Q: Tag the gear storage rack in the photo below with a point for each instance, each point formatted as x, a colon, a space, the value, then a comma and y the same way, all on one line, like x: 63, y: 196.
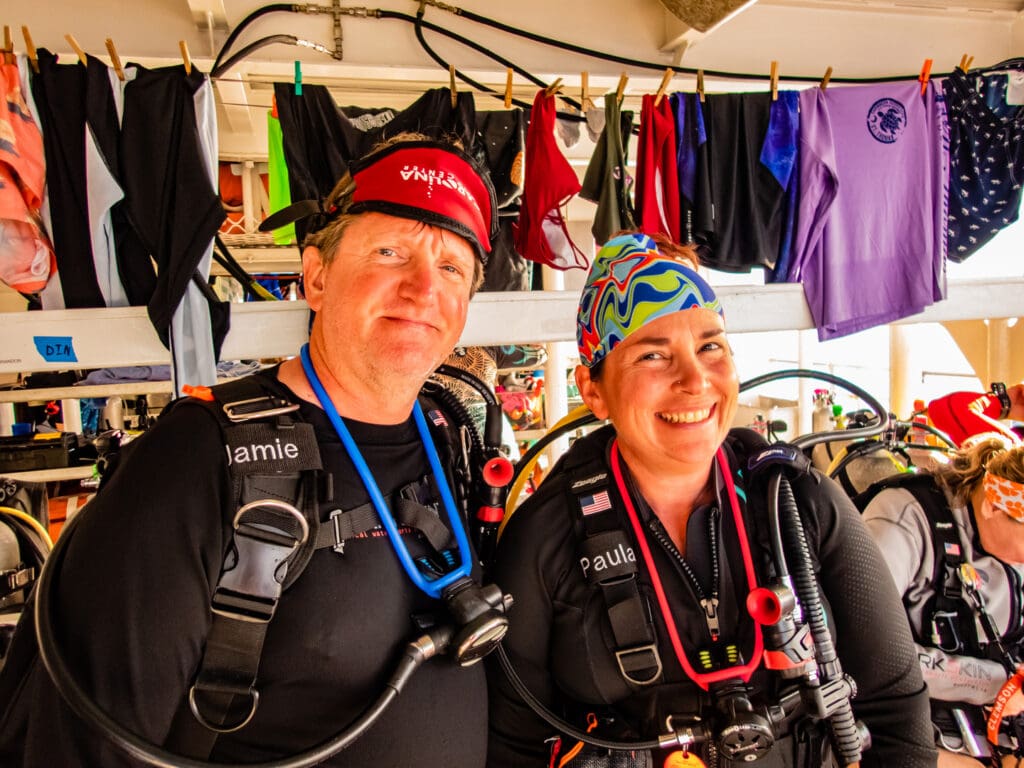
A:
x: 85, y: 338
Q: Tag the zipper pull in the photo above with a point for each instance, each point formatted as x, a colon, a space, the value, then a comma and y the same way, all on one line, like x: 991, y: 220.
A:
x: 710, y: 607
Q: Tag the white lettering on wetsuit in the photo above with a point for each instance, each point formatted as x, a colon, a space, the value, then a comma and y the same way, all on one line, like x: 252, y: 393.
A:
x: 275, y: 451
x: 609, y: 559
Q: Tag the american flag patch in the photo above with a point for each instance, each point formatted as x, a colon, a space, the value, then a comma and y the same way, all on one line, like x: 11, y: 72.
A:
x: 437, y: 418
x: 952, y: 549
x: 599, y: 502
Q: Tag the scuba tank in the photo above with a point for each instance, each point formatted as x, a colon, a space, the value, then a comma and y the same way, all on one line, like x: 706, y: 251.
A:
x: 821, y: 416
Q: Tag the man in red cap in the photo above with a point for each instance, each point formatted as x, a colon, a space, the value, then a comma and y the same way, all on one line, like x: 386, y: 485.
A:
x: 246, y: 582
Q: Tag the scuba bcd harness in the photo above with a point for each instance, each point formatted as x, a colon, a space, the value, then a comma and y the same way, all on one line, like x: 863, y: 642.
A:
x: 733, y: 727
x: 957, y: 607
x: 277, y: 483
x: 480, y: 611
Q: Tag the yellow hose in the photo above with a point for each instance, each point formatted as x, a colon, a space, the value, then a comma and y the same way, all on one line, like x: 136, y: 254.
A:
x: 32, y: 522
x: 524, y: 475
x: 835, y: 461
x: 845, y: 449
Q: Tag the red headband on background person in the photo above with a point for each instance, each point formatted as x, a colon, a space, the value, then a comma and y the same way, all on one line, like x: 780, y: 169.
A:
x: 429, y: 182
x: 954, y: 414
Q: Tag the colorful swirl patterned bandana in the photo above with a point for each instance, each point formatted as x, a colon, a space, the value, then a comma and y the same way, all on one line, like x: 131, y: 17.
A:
x: 1005, y: 495
x: 629, y: 285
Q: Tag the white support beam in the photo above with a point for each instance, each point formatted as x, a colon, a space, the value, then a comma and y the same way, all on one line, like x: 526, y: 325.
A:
x: 277, y: 329
x: 233, y: 96
x: 204, y: 10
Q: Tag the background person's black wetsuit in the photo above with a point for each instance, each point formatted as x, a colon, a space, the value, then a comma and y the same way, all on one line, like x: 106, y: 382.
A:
x: 559, y: 628
x: 134, y: 609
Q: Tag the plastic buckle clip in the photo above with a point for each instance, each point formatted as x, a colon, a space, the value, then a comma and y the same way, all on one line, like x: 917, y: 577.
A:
x: 250, y: 583
x: 630, y: 663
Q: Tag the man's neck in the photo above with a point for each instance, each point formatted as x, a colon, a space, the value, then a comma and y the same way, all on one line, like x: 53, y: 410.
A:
x: 353, y: 399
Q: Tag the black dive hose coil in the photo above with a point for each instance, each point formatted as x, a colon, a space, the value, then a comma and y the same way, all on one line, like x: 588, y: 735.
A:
x: 433, y: 643
x: 845, y: 734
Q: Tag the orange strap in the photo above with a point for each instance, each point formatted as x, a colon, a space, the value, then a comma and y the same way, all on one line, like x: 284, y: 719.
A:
x: 1009, y: 688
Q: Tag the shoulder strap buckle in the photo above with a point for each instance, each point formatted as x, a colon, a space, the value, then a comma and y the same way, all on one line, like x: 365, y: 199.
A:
x: 257, y: 408
x: 250, y: 583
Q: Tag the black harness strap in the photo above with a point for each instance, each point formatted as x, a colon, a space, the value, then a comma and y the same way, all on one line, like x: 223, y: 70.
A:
x: 224, y: 697
x: 276, y: 472
x: 953, y: 628
x: 408, y: 509
x: 609, y: 563
x: 273, y: 461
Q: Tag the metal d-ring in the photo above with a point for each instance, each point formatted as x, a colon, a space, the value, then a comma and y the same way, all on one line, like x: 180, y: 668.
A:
x: 279, y: 505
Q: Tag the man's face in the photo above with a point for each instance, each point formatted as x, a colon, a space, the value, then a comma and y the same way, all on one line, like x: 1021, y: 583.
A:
x: 392, y: 303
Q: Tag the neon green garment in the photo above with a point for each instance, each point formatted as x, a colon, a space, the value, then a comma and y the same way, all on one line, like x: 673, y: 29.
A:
x: 277, y: 174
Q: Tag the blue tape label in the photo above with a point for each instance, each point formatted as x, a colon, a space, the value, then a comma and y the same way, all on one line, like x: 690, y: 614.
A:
x: 56, y: 349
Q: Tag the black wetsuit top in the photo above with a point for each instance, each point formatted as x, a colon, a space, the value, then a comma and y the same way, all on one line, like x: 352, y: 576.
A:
x: 133, y: 611
x: 559, y: 635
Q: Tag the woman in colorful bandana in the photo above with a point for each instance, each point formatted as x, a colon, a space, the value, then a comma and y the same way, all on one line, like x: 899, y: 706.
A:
x: 960, y: 568
x: 631, y: 565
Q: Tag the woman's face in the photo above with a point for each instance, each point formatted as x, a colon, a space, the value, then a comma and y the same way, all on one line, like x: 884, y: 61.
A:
x: 670, y: 389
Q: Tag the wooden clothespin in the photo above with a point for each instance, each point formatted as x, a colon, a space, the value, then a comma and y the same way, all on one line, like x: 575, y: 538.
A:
x: 451, y: 86
x: 775, y: 80
x: 508, y: 88
x: 586, y: 103
x: 970, y: 60
x: 554, y: 88
x: 965, y: 63
x: 665, y: 80
x: 826, y: 78
x: 30, y: 49
x: 926, y: 73
x: 185, y: 56
x: 7, y: 52
x: 700, y: 85
x: 82, y: 58
x: 621, y: 90
x: 115, y: 60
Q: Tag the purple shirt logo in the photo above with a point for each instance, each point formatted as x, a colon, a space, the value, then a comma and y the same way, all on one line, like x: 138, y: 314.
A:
x: 887, y: 119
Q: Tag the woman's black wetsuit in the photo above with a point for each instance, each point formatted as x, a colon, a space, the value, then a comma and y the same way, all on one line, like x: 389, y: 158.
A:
x: 562, y: 644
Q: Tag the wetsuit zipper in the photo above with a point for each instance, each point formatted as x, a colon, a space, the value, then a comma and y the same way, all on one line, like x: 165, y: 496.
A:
x: 708, y: 602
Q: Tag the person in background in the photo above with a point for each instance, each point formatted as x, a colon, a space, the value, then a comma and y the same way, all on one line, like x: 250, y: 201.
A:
x: 632, y: 564
x: 143, y: 588
x: 954, y: 543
